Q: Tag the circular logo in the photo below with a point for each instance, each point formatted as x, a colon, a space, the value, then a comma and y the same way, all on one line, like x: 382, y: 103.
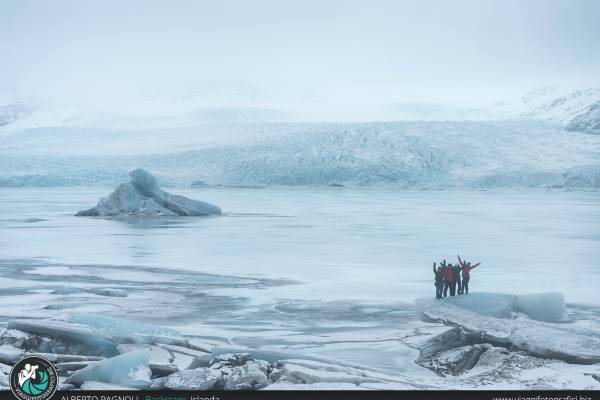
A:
x: 33, y: 378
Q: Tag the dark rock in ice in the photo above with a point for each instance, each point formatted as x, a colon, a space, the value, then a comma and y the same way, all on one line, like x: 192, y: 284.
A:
x: 142, y: 196
x: 454, y: 361
x: 449, y: 339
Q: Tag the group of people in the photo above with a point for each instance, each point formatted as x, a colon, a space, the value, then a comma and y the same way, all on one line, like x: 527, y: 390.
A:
x: 452, y: 278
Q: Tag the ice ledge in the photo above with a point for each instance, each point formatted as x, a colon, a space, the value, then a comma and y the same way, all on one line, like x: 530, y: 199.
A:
x: 520, y: 322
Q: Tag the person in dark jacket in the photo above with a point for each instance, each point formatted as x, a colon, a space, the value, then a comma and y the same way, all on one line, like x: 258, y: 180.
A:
x: 449, y: 282
x: 466, y: 268
x: 456, y: 271
x: 439, y: 281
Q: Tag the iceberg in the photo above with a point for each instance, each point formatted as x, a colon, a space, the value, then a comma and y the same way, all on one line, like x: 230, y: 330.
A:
x: 142, y: 196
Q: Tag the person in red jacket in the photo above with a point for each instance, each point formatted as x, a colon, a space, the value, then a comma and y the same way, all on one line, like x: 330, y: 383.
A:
x: 449, y: 282
x: 466, y: 268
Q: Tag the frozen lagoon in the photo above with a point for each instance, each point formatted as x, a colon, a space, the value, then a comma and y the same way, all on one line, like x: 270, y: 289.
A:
x: 330, y: 272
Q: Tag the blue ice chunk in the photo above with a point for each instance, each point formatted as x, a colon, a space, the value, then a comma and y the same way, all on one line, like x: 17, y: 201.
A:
x: 547, y: 307
x: 129, y: 369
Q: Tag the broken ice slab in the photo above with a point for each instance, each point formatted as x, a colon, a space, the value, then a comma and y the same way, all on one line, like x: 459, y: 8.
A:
x: 129, y: 369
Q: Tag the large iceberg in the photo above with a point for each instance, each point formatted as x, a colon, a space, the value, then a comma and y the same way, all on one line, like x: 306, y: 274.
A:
x: 143, y: 196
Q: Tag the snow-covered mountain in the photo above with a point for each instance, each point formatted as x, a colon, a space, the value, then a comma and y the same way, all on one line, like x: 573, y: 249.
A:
x: 13, y: 112
x: 577, y: 110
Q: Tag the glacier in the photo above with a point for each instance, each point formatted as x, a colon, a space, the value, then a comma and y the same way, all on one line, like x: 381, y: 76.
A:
x: 143, y: 197
x: 416, y: 154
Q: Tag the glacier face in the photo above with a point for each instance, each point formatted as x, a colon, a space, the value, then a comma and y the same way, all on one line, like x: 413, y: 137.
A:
x: 408, y: 154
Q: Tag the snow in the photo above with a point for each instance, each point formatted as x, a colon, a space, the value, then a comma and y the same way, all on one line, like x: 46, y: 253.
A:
x: 129, y: 369
x: 143, y: 197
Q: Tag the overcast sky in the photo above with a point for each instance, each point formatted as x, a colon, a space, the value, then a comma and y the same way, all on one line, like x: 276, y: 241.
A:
x: 446, y: 50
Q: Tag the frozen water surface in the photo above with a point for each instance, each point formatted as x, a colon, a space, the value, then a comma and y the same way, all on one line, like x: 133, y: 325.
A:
x: 329, y: 272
